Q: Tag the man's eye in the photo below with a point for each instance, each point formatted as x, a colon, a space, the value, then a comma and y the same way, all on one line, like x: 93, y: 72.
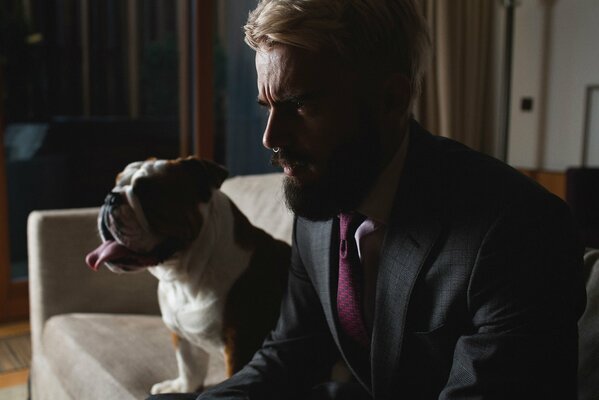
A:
x: 291, y: 107
x: 265, y: 108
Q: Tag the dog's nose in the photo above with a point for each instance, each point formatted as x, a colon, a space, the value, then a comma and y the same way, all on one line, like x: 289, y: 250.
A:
x: 113, y: 199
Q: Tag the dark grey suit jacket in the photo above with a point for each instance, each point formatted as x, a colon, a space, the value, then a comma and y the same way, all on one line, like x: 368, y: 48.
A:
x: 478, y: 294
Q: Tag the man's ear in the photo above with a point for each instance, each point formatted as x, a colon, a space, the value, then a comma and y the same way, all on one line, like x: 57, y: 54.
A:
x: 396, y: 94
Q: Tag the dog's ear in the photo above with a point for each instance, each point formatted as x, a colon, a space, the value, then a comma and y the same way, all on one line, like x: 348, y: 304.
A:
x: 217, y: 173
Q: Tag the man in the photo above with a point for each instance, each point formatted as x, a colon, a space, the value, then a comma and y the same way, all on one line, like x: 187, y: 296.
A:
x: 464, y: 283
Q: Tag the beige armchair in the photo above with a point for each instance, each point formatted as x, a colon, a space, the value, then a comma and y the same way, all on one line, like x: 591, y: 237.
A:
x: 98, y: 335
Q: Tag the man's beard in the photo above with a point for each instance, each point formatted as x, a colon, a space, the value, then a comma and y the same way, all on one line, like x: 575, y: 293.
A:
x: 351, y: 172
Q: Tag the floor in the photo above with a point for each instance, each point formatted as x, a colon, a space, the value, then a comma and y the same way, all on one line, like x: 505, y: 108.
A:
x: 18, y: 392
x: 15, y: 358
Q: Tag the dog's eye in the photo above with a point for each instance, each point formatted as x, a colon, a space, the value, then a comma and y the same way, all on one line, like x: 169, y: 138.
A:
x: 114, y: 199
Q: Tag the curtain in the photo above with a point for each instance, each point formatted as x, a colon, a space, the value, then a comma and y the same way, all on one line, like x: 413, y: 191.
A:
x: 458, y: 97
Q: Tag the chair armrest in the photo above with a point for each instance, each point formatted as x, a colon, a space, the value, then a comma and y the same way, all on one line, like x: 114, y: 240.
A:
x: 59, y: 280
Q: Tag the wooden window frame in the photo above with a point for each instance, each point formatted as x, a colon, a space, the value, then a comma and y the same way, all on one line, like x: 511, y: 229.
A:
x: 14, y: 296
x: 203, y: 73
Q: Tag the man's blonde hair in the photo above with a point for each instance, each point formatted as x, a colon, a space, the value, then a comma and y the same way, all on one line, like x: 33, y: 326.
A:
x: 379, y: 36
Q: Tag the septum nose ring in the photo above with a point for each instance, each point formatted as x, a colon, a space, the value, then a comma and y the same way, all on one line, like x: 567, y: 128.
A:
x: 276, y: 149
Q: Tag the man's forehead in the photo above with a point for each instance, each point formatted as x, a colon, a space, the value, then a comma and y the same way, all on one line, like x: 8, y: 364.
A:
x: 284, y: 67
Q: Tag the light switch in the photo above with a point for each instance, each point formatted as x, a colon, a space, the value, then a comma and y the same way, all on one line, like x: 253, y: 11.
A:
x: 526, y: 104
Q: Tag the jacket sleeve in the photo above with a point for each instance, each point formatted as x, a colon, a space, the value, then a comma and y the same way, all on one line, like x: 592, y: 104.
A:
x: 525, y: 296
x: 298, y: 353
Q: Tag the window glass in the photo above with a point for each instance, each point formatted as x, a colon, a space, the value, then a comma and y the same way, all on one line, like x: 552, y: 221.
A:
x: 88, y: 86
x: 239, y: 121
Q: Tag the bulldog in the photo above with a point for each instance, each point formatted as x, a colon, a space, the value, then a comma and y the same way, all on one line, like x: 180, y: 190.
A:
x: 221, y: 279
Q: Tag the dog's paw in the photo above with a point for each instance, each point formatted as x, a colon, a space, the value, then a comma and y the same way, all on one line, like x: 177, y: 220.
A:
x: 172, y: 386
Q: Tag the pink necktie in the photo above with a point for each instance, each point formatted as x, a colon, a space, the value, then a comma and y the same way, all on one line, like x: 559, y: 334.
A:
x: 349, y: 290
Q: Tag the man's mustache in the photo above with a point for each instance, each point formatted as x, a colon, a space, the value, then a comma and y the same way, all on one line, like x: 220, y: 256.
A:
x: 288, y: 157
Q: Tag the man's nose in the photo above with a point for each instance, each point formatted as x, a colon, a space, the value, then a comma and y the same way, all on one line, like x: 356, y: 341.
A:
x: 276, y: 133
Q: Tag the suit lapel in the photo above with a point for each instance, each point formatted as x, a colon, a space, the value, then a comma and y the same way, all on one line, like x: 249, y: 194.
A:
x: 414, y: 228
x: 404, y: 253
x: 322, y: 234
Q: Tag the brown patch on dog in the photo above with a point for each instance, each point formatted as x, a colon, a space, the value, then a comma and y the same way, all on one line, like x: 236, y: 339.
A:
x: 247, y: 323
x: 243, y: 230
x: 181, y: 186
x: 230, y: 336
x: 176, y: 339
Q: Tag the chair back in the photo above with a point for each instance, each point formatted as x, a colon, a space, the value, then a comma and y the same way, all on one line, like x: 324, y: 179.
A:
x: 582, y: 194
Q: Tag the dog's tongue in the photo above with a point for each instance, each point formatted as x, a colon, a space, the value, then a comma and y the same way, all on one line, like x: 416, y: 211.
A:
x: 111, y: 251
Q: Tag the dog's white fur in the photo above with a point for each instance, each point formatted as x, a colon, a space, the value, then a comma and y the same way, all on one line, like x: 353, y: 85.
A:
x: 192, y: 292
x: 193, y: 285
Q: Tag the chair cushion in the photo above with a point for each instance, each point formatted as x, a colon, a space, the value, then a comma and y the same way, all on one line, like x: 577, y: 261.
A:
x: 113, y: 356
x: 588, y: 327
x: 582, y: 194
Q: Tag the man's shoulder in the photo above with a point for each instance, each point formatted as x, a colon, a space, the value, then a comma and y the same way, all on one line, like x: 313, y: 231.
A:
x: 462, y: 171
x: 461, y: 184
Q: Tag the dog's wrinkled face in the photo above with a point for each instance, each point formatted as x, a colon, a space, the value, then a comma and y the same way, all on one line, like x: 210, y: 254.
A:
x: 153, y: 211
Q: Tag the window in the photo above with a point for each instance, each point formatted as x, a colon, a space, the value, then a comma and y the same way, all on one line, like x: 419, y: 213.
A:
x: 87, y: 87
x: 239, y: 121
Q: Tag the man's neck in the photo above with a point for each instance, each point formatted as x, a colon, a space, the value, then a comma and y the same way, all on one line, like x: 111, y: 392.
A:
x: 377, y: 205
x: 391, y: 142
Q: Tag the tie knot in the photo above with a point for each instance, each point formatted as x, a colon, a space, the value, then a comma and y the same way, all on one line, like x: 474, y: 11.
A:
x: 348, y: 224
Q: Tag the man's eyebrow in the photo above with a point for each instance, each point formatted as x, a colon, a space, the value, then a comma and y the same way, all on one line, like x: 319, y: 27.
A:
x: 262, y: 102
x: 292, y: 98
